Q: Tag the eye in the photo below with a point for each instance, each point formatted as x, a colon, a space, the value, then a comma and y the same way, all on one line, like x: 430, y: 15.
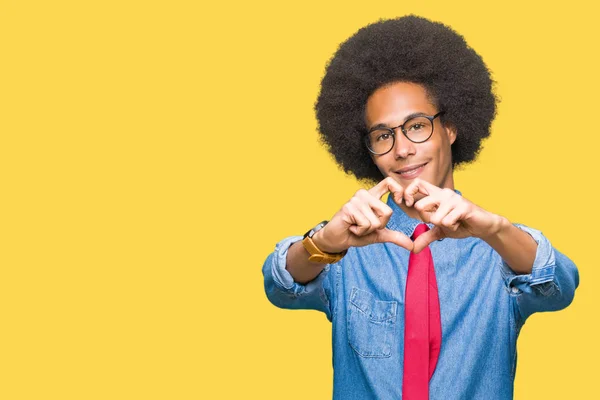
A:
x: 384, y: 136
x: 416, y: 126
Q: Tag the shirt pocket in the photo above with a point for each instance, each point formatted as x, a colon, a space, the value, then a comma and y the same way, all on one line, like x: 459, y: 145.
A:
x: 371, y: 324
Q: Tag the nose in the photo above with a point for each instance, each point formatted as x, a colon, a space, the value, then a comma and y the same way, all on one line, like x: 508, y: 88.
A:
x: 403, y: 147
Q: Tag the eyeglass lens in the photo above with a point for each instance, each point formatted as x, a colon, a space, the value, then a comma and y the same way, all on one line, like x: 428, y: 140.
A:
x: 417, y: 129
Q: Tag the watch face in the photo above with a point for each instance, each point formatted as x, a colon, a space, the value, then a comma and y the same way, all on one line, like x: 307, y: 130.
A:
x: 316, y: 229
x: 320, y: 226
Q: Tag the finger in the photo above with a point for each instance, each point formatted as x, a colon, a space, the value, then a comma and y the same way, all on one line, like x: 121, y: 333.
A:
x: 365, y: 208
x: 378, y: 207
x: 384, y: 236
x: 388, y: 185
x: 418, y: 186
x: 452, y: 220
x: 391, y: 236
x: 359, y: 224
x: 435, y: 200
x: 427, y: 206
x: 444, y: 208
x: 426, y: 238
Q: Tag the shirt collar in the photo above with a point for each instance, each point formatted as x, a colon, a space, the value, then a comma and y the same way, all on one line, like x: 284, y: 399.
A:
x: 401, y: 222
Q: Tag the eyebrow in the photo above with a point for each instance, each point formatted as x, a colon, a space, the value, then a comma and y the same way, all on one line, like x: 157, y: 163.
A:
x: 416, y: 114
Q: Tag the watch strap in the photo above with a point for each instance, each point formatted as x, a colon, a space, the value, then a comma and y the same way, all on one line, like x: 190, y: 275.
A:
x: 316, y: 255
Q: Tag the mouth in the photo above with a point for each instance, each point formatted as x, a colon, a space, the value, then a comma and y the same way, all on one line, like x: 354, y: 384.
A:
x: 410, y: 172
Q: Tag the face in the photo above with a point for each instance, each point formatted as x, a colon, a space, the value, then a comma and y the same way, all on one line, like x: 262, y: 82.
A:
x: 391, y: 105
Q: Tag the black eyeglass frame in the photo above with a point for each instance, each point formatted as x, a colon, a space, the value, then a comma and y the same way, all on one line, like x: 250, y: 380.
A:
x: 393, y: 132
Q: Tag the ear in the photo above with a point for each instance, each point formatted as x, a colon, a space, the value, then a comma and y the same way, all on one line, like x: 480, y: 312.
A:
x: 451, y: 132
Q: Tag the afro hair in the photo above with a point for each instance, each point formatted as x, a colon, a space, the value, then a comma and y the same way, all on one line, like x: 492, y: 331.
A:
x: 408, y: 49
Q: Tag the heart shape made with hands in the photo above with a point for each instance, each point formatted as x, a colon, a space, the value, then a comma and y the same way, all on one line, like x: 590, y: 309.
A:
x: 452, y: 215
x: 363, y: 220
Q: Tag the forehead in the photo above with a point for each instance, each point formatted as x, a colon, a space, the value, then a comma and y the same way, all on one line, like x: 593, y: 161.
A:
x: 391, y: 104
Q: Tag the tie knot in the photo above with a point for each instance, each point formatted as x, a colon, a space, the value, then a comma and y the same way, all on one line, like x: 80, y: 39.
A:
x: 421, y: 228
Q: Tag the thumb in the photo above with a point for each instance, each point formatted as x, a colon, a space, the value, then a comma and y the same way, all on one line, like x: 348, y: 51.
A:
x: 426, y: 238
x: 390, y: 236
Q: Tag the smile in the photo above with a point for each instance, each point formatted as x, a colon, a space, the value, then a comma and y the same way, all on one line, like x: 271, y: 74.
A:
x: 411, y: 173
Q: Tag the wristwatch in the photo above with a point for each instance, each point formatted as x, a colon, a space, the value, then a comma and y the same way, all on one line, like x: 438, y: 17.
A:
x: 316, y: 255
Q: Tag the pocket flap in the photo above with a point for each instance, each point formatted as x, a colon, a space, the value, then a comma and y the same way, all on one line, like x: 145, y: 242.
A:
x: 376, y: 310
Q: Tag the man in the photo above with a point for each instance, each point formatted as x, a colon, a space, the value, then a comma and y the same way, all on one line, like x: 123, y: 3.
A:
x: 427, y: 293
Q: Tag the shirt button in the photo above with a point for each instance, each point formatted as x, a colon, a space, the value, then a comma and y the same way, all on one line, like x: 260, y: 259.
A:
x: 515, y: 290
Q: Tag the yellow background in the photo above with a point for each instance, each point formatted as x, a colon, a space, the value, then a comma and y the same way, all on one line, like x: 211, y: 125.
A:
x: 153, y: 153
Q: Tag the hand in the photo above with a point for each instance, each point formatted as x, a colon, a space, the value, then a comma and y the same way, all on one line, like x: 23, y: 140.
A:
x: 453, y: 215
x: 362, y: 221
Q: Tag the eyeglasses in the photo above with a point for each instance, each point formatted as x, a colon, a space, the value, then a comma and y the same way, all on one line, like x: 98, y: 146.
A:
x: 418, y: 129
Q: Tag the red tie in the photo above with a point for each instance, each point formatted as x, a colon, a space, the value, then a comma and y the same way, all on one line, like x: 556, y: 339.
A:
x: 422, y: 325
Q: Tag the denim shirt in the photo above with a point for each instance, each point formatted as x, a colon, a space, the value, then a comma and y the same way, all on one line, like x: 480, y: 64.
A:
x: 483, y: 305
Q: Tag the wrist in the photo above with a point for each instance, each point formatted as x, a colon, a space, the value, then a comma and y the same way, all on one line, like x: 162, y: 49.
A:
x: 321, y: 242
x: 500, y: 224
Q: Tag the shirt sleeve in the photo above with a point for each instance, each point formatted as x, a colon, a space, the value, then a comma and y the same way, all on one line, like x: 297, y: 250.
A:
x: 283, y: 292
x: 551, y: 284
